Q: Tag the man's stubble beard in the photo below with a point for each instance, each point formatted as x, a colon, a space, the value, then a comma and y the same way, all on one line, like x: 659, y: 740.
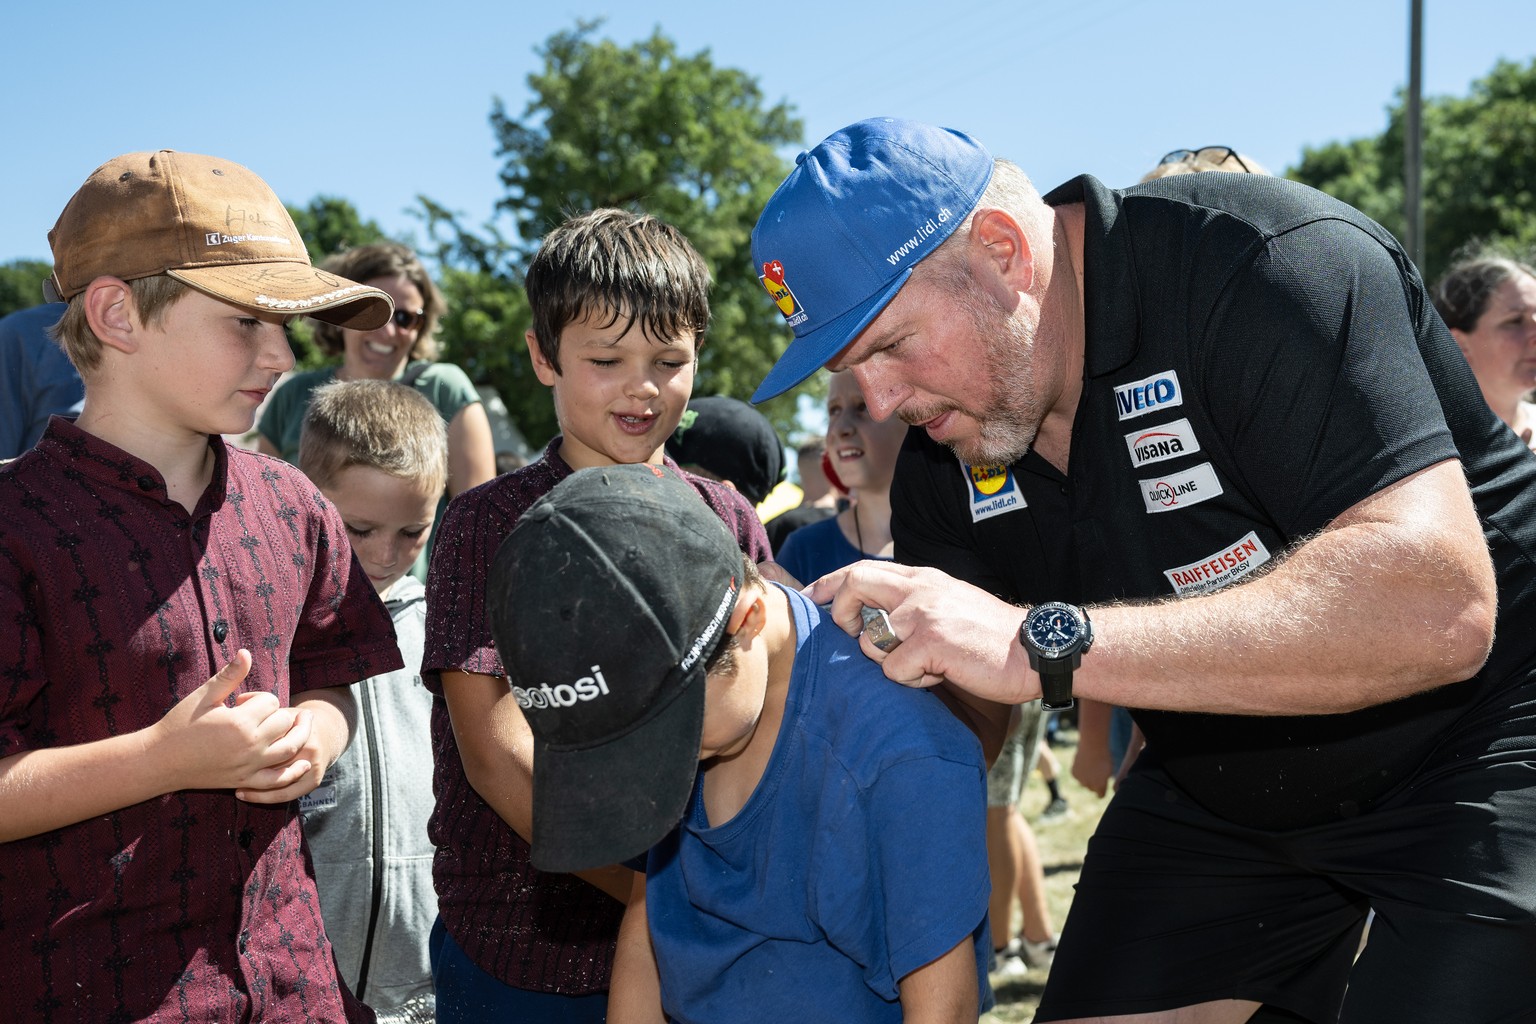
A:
x: 1010, y: 417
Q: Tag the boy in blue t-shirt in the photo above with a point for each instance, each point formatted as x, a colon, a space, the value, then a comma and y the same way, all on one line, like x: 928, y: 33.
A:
x: 815, y: 834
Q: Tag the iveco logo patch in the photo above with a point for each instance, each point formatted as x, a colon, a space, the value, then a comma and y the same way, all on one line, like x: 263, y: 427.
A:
x: 1159, y: 391
x: 1178, y: 490
x: 1164, y: 441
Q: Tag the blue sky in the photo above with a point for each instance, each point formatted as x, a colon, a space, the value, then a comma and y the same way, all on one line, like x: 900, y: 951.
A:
x: 383, y: 101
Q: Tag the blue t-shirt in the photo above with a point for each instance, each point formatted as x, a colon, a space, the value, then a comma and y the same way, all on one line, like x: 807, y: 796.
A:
x: 860, y: 856
x: 814, y: 550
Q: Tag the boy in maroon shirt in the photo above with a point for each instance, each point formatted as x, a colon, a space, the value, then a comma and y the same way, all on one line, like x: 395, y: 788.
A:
x: 620, y: 306
x: 182, y: 619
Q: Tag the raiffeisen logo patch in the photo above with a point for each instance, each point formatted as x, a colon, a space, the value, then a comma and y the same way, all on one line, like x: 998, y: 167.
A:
x: 1180, y: 490
x: 1219, y: 568
x: 1159, y: 391
x: 772, y: 278
x: 993, y: 491
x: 565, y: 695
x: 1164, y: 441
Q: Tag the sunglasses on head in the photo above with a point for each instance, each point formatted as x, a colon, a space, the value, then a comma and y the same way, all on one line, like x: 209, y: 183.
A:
x: 408, y: 321
x: 1214, y: 155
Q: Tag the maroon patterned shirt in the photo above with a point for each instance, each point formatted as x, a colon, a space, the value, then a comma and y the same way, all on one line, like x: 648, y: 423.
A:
x: 531, y: 930
x: 114, y: 605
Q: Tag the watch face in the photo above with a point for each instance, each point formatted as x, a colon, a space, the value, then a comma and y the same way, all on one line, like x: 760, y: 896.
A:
x: 1053, y: 629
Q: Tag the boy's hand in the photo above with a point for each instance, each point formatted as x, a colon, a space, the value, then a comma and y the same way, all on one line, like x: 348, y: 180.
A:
x: 330, y: 716
x: 300, y: 774
x: 253, y: 745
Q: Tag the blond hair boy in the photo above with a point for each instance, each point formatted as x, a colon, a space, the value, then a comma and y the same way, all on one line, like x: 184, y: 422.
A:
x: 378, y: 451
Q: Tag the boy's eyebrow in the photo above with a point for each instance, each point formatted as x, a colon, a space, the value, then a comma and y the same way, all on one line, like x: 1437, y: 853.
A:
x: 687, y: 347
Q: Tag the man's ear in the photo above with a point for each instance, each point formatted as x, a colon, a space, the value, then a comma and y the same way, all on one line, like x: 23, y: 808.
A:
x: 112, y: 313
x: 542, y: 368
x: 1000, y: 254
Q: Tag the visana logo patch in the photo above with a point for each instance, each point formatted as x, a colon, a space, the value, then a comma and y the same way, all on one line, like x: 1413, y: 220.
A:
x: 1164, y: 441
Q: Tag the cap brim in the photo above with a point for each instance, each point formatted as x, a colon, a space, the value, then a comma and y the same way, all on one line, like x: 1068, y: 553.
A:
x: 806, y: 355
x: 595, y: 806
x: 292, y: 288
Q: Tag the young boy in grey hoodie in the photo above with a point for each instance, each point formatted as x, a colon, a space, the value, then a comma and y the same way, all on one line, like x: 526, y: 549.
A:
x: 378, y: 451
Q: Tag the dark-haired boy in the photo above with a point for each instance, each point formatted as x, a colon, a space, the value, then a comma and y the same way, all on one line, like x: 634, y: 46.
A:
x: 815, y: 835
x: 152, y: 866
x: 620, y: 306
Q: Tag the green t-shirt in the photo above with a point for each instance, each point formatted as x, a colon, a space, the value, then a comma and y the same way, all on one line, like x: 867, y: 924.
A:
x: 446, y: 386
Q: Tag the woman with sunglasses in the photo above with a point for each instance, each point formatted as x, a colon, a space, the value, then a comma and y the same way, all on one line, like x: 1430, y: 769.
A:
x: 404, y: 350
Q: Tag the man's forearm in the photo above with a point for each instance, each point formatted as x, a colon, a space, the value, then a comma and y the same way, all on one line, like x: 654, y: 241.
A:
x: 1373, y: 609
x: 943, y: 991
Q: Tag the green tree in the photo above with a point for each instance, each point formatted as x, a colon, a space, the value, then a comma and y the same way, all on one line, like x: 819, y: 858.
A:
x: 21, y: 284
x: 328, y: 225
x: 1479, y: 167
x: 642, y: 127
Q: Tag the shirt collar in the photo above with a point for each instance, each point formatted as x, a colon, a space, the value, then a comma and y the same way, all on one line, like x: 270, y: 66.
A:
x: 1110, y: 315
x: 106, y: 464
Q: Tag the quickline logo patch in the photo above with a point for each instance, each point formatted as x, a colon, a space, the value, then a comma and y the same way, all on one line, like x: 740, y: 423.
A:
x: 1180, y: 490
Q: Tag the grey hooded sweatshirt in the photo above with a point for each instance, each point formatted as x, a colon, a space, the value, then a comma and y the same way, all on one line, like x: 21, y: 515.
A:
x: 366, y: 825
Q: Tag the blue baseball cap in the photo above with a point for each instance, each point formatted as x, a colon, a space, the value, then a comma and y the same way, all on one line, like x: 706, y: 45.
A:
x: 842, y: 233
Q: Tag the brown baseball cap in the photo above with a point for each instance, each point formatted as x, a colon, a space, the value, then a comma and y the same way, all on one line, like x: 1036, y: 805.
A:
x: 210, y: 223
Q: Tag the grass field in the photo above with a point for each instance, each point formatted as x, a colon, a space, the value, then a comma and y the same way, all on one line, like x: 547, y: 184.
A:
x: 1062, y: 841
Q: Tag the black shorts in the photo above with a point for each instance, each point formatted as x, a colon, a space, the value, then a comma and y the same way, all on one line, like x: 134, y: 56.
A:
x: 1176, y: 906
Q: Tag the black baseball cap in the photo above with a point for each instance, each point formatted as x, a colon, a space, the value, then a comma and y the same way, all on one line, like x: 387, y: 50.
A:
x: 606, y: 603
x: 732, y: 441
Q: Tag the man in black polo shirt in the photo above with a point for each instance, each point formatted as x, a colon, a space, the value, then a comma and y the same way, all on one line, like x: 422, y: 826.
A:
x: 1214, y: 423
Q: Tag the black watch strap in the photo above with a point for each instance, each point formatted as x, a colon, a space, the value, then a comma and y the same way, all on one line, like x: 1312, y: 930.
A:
x: 1056, y: 691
